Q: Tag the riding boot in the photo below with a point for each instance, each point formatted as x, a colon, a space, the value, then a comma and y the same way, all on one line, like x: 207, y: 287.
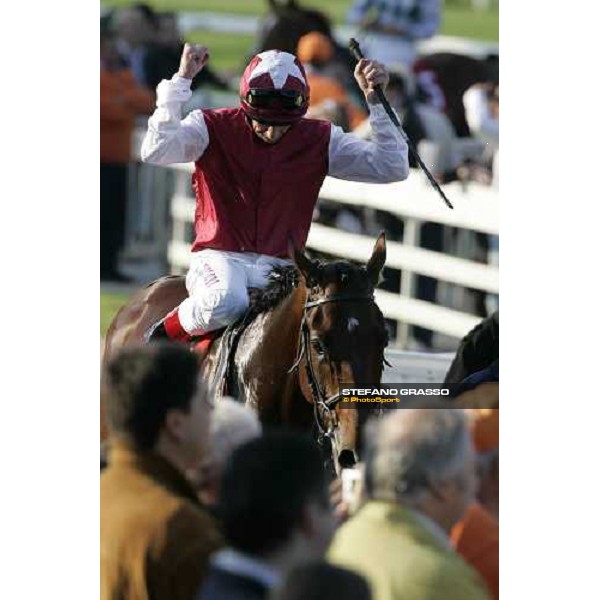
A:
x: 170, y: 328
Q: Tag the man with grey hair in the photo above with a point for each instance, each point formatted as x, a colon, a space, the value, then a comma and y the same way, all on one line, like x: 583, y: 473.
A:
x: 419, y: 480
x: 232, y: 424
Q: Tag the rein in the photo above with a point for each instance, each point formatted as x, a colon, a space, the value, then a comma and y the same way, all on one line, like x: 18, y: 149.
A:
x: 322, y: 404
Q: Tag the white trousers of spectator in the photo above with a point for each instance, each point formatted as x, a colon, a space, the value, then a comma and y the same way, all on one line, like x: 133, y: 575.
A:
x: 217, y: 284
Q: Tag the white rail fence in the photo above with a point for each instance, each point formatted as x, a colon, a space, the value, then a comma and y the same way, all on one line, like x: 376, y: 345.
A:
x: 476, y: 209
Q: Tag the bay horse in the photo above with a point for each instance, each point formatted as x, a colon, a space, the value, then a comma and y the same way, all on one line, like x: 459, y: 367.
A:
x: 316, y: 328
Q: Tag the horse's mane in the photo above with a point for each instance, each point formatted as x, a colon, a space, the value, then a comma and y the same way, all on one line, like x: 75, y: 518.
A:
x: 282, y: 282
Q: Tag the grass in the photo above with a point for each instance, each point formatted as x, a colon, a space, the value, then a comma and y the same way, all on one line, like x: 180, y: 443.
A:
x: 109, y: 305
x: 228, y: 52
x: 458, y: 19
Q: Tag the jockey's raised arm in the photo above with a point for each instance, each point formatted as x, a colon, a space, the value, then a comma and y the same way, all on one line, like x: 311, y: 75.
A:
x: 170, y: 139
x: 258, y: 172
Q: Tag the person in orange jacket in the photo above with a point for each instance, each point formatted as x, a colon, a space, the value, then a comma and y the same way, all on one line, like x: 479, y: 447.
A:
x: 476, y: 537
x: 314, y: 51
x: 121, y: 100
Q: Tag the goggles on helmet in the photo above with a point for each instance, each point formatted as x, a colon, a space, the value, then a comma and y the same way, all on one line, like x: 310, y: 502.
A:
x: 286, y: 99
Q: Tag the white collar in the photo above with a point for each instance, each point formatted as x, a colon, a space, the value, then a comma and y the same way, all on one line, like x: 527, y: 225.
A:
x: 238, y: 563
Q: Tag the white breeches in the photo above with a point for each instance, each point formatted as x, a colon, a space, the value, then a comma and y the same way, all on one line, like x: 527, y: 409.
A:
x: 217, y: 284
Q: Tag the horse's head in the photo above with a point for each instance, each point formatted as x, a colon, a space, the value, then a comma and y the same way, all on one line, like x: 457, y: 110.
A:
x: 343, y: 339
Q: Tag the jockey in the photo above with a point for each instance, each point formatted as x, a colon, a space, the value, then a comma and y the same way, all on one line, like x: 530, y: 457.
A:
x: 258, y: 172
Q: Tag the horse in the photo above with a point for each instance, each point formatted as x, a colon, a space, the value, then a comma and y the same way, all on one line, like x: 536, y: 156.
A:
x: 315, y: 329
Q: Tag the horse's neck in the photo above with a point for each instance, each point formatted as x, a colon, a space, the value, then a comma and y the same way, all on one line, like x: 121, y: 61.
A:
x: 269, y: 346
x: 279, y: 325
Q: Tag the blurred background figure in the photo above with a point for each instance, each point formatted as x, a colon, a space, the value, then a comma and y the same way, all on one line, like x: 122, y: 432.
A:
x: 232, y: 425
x: 444, y: 77
x: 478, y: 350
x: 476, y: 537
x: 391, y: 27
x: 135, y: 28
x: 419, y: 481
x: 328, y: 98
x: 162, y: 57
x: 121, y: 100
x: 275, y: 514
x: 287, y: 21
x: 482, y: 113
x: 322, y: 581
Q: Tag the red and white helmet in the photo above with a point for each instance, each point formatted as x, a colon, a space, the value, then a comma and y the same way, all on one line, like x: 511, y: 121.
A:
x: 274, y: 88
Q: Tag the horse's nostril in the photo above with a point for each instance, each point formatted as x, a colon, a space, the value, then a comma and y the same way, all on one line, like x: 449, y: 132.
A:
x: 347, y: 459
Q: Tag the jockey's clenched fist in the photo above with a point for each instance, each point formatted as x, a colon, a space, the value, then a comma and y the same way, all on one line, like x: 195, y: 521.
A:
x: 193, y: 59
x: 368, y: 74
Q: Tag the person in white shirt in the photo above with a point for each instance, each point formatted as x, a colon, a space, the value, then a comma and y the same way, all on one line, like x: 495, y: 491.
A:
x: 393, y: 27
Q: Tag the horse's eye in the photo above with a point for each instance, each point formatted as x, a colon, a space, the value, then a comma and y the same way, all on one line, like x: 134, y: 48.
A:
x: 318, y: 346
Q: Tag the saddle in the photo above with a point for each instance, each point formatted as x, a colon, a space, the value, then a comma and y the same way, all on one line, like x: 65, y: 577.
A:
x: 224, y: 378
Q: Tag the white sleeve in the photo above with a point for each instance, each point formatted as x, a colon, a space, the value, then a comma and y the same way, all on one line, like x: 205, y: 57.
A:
x: 169, y: 139
x: 382, y: 160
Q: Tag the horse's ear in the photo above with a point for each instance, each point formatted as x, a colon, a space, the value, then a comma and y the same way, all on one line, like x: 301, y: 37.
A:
x: 377, y: 260
x: 306, y: 266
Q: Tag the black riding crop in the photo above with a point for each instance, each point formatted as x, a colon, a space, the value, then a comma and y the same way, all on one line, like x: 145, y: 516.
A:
x: 356, y: 51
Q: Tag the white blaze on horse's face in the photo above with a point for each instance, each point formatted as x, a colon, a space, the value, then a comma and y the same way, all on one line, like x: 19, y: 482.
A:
x: 352, y: 324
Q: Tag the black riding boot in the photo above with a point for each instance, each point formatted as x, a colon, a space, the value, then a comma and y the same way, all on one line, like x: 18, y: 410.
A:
x: 159, y: 333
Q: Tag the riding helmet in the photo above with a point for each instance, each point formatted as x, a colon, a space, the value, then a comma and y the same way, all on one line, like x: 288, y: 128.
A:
x: 274, y: 88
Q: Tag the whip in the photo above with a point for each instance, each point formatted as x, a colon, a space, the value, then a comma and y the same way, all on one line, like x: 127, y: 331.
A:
x: 356, y: 51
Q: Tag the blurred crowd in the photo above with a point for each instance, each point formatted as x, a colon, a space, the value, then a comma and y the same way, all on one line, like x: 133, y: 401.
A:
x: 199, y: 501
x: 138, y: 49
x: 448, y: 104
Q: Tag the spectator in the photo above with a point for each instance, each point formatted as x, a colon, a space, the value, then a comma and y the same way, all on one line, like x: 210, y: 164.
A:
x: 121, y: 99
x: 322, y: 581
x: 483, y: 411
x: 163, y: 56
x: 155, y: 539
x: 287, y: 21
x: 136, y: 28
x: 476, y: 538
x: 275, y: 513
x: 443, y: 78
x: 482, y: 112
x: 316, y: 52
x: 232, y: 425
x: 419, y: 478
x: 393, y: 26
x: 478, y: 350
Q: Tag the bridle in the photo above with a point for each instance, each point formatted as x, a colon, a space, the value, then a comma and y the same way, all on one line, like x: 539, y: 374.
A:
x: 321, y: 403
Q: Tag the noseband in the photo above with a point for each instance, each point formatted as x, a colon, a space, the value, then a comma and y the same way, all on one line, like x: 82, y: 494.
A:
x: 322, y: 404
